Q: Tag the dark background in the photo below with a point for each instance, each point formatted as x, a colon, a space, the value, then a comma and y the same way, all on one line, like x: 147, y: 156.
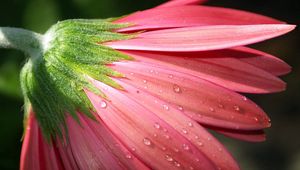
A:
x: 280, y: 151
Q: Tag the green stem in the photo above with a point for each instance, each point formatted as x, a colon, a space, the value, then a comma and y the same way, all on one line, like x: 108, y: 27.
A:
x: 16, y: 38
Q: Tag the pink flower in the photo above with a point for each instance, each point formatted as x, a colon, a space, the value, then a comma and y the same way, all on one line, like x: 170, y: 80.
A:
x: 189, y: 65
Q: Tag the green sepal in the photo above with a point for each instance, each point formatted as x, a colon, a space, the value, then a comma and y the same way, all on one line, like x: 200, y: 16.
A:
x: 54, y: 83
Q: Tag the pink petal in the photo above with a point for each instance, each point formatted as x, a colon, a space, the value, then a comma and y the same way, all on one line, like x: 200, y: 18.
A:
x: 94, y: 147
x: 134, y: 125
x: 36, y: 153
x: 174, y: 3
x: 203, y: 101
x: 259, y: 59
x: 195, y: 133
x: 202, y: 38
x: 187, y: 16
x: 220, y: 67
x: 249, y: 136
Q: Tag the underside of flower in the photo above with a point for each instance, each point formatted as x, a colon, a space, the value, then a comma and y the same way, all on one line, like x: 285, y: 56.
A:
x: 139, y: 92
x: 54, y: 82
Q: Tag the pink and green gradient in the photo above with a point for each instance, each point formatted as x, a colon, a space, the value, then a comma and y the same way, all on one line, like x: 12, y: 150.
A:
x: 190, y: 63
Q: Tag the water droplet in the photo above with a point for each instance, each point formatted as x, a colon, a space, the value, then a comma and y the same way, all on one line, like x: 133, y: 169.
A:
x: 200, y: 143
x: 211, y: 109
x: 177, y: 164
x: 103, y: 104
x: 151, y: 71
x: 170, y: 76
x: 169, y: 158
x: 155, y: 135
x: 220, y: 149
x: 184, y: 131
x: 245, y: 98
x: 190, y: 124
x: 221, y: 106
x: 128, y: 156
x: 256, y: 119
x: 191, y: 168
x: 163, y: 148
x: 133, y: 149
x: 209, y: 138
x: 237, y: 108
x: 176, y: 149
x: 196, y: 137
x: 165, y: 130
x: 167, y: 136
x: 166, y: 107
x: 180, y: 108
x: 157, y: 126
x: 147, y: 141
x: 131, y: 73
x: 145, y: 81
x: 176, y: 88
x: 185, y: 147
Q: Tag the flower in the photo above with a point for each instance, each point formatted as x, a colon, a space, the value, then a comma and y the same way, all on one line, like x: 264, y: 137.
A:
x: 164, y: 75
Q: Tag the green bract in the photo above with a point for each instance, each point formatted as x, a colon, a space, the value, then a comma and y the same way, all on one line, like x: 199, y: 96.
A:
x: 53, y: 81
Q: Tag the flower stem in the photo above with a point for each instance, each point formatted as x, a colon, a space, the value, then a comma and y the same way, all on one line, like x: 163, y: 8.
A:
x: 16, y: 38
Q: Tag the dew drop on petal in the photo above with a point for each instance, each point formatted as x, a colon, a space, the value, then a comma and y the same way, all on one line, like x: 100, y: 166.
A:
x: 145, y: 81
x: 185, y: 147
x: 245, y: 98
x: 133, y: 149
x: 167, y: 136
x: 177, y: 164
x: 170, y: 76
x: 176, y: 88
x: 128, y: 156
x: 166, y: 107
x: 190, y: 124
x: 147, y: 141
x: 256, y: 119
x: 103, y: 104
x: 221, y: 106
x: 169, y: 158
x: 156, y: 126
x: 237, y: 108
x: 184, y: 131
x: 211, y: 109
x: 200, y: 143
x: 180, y: 108
x: 176, y: 149
x: 191, y: 168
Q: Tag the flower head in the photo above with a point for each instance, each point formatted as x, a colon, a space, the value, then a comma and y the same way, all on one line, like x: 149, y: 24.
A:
x: 138, y: 92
